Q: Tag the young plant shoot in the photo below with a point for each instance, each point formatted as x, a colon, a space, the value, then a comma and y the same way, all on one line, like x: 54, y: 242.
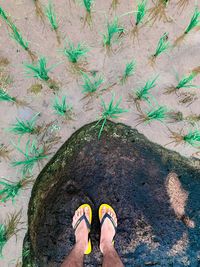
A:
x: 40, y: 70
x: 50, y: 14
x: 30, y: 158
x: 128, y: 71
x: 87, y: 4
x: 182, y: 4
x: 162, y: 47
x: 159, y: 113
x: 143, y: 92
x: 193, y: 23
x: 90, y: 85
x: 142, y: 10
x: 8, y: 229
x: 23, y: 127
x: 74, y: 54
x: 192, y: 138
x: 14, y: 33
x: 113, y: 32
x: 11, y: 189
x: 61, y: 110
x: 184, y: 82
x: 110, y: 111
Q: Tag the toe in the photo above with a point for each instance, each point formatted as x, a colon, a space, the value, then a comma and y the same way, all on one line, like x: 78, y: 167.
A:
x: 80, y: 212
x: 87, y: 213
x: 103, y: 211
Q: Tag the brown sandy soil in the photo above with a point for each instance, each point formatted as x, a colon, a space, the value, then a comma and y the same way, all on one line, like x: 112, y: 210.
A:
x: 70, y: 17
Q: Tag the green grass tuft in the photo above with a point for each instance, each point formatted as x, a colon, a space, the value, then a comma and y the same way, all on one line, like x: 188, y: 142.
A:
x: 14, y: 33
x: 141, y: 11
x: 90, y: 85
x: 87, y: 4
x: 3, y: 14
x: 61, y: 110
x: 128, y: 71
x: 162, y: 45
x: 30, y: 158
x: 23, y: 127
x: 159, y: 113
x: 112, y: 29
x: 74, y: 54
x: 11, y: 189
x: 50, y: 14
x: 110, y: 111
x: 194, y: 20
x: 40, y: 70
x: 143, y: 93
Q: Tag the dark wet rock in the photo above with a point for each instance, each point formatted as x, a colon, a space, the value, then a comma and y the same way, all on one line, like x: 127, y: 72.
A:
x: 151, y: 189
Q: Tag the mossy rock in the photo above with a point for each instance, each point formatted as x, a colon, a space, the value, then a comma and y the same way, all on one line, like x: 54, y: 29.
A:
x: 154, y: 191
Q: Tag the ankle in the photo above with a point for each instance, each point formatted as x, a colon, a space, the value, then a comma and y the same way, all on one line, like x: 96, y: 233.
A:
x: 81, y: 246
x: 105, y: 246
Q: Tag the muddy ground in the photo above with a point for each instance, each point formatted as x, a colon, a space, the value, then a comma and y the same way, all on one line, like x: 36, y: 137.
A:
x: 70, y: 17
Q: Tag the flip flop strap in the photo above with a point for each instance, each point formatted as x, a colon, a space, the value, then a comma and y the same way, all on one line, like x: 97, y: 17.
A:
x: 83, y: 217
x: 111, y: 219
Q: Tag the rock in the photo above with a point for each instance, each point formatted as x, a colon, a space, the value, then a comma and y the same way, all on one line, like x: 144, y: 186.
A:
x: 137, y: 178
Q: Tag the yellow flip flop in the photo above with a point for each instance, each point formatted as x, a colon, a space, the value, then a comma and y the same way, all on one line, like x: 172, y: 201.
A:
x: 107, y: 216
x: 83, y: 217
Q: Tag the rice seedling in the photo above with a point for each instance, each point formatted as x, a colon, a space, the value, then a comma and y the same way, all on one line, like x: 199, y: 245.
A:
x: 38, y: 9
x: 3, y: 14
x: 143, y: 93
x: 159, y: 113
x: 110, y: 111
x: 184, y: 82
x: 193, y: 23
x: 11, y: 189
x: 158, y: 11
x: 162, y: 47
x: 8, y: 229
x: 14, y: 33
x: 194, y: 20
x: 128, y: 71
x: 192, y: 138
x: 91, y: 84
x: 4, y: 62
x: 87, y: 4
x: 5, y: 97
x: 141, y: 12
x: 112, y: 30
x: 23, y: 127
x: 30, y: 158
x: 5, y: 80
x: 40, y: 70
x: 50, y: 14
x: 73, y: 54
x: 61, y: 109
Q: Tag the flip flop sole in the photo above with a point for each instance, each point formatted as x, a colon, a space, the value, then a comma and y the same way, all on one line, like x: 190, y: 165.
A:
x: 107, y: 207
x: 89, y: 249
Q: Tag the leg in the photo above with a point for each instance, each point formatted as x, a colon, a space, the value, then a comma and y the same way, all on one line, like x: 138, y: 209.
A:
x: 75, y: 258
x: 110, y: 256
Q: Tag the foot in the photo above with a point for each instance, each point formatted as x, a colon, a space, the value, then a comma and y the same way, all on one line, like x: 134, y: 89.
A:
x: 81, y: 233
x: 107, y: 230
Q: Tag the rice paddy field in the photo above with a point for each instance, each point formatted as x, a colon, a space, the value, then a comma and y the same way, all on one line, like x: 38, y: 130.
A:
x: 64, y: 64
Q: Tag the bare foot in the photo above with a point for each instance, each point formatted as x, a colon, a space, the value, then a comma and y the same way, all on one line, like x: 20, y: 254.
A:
x: 82, y: 230
x: 107, y: 230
